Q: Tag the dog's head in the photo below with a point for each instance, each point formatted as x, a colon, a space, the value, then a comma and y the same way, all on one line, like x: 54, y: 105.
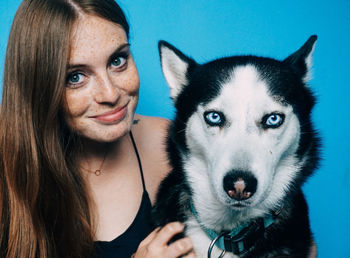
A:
x: 242, y: 124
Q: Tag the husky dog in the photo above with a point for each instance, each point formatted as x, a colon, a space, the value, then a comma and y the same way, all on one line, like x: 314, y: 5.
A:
x: 241, y: 145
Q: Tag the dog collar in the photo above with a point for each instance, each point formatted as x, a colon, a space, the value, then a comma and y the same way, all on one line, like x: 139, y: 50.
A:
x: 238, y: 240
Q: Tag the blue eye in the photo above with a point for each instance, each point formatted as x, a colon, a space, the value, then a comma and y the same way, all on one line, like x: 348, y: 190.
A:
x: 75, y: 78
x: 273, y: 120
x: 214, y: 118
x: 118, y: 61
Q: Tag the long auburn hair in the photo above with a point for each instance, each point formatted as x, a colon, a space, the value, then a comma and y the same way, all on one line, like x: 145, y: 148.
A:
x: 44, y: 204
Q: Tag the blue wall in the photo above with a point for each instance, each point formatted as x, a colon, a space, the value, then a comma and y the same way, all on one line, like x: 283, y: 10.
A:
x: 209, y: 29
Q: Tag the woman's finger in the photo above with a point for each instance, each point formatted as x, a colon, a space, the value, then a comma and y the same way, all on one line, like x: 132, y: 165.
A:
x: 179, y: 247
x: 166, y: 233
x: 150, y: 237
x: 190, y: 255
x: 156, y: 243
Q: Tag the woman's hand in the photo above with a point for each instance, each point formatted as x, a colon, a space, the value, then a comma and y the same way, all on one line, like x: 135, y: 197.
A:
x: 156, y: 244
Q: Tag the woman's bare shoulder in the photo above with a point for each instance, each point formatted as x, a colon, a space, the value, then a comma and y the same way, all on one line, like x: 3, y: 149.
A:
x: 151, y: 130
x: 150, y: 136
x: 152, y: 121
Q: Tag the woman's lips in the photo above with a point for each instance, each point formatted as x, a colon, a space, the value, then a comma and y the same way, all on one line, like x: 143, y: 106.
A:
x: 112, y: 116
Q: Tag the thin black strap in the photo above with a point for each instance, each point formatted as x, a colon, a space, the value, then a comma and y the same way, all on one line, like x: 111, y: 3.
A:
x: 139, y: 161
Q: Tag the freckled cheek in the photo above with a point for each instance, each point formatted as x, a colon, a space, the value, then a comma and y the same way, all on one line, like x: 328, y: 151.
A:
x: 77, y: 104
x: 134, y: 85
x: 130, y: 82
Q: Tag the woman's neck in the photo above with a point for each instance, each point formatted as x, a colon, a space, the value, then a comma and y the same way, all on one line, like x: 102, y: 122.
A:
x: 95, y: 155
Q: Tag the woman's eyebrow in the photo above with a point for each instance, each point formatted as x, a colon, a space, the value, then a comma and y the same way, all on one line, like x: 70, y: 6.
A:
x: 76, y: 66
x: 119, y: 49
x: 122, y: 48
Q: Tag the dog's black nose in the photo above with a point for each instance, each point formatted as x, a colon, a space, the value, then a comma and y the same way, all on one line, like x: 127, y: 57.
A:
x: 240, y: 185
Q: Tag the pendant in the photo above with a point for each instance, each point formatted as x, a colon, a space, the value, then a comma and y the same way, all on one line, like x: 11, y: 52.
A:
x: 97, y: 172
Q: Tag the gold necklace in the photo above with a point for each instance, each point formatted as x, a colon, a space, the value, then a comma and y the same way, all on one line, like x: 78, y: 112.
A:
x: 98, y: 171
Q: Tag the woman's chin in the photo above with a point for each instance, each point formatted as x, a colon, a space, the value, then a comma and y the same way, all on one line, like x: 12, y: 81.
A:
x: 106, y: 133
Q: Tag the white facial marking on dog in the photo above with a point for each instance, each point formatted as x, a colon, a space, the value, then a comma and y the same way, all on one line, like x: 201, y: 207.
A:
x: 174, y: 70
x: 241, y: 144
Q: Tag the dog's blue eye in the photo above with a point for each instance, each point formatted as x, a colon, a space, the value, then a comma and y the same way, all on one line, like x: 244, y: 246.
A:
x: 214, y: 118
x: 273, y: 120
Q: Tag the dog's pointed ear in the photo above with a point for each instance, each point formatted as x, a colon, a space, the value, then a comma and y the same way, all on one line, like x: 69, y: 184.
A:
x: 301, y: 60
x: 175, y: 67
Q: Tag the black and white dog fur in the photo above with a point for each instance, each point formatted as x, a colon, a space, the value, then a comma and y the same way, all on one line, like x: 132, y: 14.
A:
x: 241, y: 145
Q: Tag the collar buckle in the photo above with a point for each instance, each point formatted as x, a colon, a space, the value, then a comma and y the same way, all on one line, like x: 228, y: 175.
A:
x: 245, y: 239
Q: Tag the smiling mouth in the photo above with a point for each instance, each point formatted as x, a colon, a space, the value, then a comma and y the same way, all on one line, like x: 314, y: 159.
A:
x: 112, y: 116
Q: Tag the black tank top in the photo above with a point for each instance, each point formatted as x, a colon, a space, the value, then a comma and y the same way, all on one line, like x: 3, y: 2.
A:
x: 126, y: 244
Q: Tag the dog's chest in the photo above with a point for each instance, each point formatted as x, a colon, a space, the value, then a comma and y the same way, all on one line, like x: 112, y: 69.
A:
x: 201, y: 241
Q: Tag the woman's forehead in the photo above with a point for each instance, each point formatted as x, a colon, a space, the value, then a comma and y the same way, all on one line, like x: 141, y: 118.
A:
x: 93, y: 36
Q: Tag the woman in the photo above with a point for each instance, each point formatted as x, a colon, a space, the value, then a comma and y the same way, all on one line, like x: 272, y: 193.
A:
x: 78, y: 169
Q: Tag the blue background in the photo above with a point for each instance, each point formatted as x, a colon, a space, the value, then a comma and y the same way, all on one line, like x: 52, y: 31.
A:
x: 210, y: 29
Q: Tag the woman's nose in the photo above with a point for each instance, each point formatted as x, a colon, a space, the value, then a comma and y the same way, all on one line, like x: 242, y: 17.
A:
x: 106, y: 92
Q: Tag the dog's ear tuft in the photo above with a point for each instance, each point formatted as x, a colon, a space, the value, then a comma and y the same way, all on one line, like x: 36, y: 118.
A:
x: 175, y: 67
x: 301, y: 60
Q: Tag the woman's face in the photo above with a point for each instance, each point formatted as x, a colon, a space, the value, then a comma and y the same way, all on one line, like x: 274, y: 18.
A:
x: 102, y: 86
